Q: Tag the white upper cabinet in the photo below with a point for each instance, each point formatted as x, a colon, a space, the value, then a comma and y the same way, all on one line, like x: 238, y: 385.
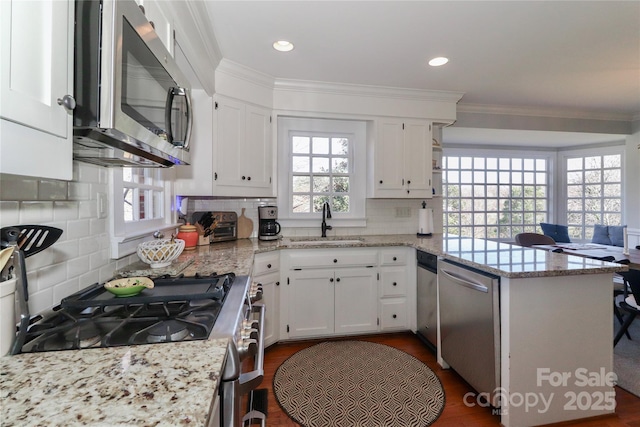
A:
x: 231, y: 152
x: 36, y: 87
x: 400, y: 159
x: 196, y: 179
x: 242, y: 163
x: 161, y: 20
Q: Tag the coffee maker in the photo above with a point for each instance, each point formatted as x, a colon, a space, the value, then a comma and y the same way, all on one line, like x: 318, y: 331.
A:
x: 269, y: 227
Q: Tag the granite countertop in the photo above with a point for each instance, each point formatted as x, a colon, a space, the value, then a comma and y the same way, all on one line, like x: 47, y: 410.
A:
x: 169, y: 384
x: 154, y: 384
x: 501, y: 259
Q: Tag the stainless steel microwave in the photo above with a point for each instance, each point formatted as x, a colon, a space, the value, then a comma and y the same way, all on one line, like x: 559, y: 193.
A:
x: 132, y: 103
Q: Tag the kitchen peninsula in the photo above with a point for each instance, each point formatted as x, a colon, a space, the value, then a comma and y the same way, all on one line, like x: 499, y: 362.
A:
x: 555, y: 314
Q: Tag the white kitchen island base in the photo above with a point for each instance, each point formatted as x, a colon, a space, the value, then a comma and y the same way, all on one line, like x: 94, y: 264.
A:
x: 557, y: 348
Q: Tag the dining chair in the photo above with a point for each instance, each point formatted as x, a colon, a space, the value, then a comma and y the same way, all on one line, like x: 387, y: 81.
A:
x: 630, y: 302
x: 529, y: 239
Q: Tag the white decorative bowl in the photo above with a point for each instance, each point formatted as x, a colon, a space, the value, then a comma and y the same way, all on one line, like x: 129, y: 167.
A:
x: 160, y: 252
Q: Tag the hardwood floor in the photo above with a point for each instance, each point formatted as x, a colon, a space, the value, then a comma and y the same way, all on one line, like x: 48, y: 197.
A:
x: 455, y: 412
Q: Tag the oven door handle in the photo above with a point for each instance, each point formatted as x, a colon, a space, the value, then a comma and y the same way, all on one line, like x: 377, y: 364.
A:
x: 251, y: 380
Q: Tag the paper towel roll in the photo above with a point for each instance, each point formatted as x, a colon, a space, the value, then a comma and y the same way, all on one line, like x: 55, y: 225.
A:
x: 425, y: 221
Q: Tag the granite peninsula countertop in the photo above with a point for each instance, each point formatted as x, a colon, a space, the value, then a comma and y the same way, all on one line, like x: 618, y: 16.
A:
x: 501, y: 259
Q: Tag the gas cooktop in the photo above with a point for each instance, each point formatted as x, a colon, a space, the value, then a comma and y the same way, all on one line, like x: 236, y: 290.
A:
x: 176, y: 309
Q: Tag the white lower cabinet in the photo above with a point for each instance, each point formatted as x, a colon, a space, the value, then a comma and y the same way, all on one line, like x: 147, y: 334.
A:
x: 349, y: 293
x: 310, y: 303
x: 397, y: 272
x: 270, y: 297
x: 393, y: 313
x: 326, y: 302
x: 266, y: 272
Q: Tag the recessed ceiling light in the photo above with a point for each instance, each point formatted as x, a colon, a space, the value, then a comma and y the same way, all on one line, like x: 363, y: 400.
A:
x: 440, y: 60
x: 283, y: 46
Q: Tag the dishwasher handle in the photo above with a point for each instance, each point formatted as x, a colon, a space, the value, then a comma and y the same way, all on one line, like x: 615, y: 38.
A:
x: 465, y: 282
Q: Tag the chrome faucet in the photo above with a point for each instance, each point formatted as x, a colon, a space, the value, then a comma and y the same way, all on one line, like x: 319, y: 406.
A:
x: 326, y: 213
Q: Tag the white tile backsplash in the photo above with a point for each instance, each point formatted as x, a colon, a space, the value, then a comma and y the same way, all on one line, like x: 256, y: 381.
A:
x: 36, y: 212
x: 381, y: 215
x: 64, y: 211
x: 81, y: 256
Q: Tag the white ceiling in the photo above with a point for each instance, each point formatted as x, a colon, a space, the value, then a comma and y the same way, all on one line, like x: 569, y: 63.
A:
x: 574, y: 56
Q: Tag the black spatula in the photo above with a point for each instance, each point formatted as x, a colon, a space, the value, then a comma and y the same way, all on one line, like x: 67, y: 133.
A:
x: 28, y: 240
x: 31, y: 239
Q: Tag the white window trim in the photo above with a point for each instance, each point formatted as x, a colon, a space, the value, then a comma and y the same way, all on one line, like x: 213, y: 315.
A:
x: 561, y: 212
x: 358, y: 130
x: 125, y: 237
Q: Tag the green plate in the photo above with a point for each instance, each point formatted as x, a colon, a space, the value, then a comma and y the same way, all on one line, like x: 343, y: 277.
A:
x: 126, y: 292
x: 128, y: 287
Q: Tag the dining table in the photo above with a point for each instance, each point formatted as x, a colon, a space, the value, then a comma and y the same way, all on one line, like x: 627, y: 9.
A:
x: 596, y: 251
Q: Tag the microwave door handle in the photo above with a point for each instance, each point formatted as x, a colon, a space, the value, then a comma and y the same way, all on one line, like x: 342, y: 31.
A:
x: 187, y: 138
x: 167, y: 113
x: 173, y: 91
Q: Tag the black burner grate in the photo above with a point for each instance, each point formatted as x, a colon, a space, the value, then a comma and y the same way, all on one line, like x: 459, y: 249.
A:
x: 180, y: 309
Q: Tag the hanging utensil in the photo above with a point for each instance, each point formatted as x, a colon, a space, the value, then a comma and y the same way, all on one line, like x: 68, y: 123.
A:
x: 31, y: 239
x: 26, y: 240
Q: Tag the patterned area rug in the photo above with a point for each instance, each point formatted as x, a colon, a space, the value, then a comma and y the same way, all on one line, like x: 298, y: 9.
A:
x: 358, y: 383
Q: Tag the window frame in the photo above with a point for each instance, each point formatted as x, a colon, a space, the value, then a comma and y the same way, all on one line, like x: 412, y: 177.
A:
x: 498, y: 153
x: 356, y: 131
x: 563, y: 155
x: 126, y: 235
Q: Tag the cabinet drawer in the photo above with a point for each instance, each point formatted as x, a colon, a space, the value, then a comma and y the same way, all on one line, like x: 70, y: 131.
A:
x: 396, y: 256
x: 266, y: 263
x: 393, y: 314
x: 393, y: 282
x: 309, y: 258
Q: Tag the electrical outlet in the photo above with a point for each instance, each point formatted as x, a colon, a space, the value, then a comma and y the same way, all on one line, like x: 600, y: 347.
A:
x: 403, y: 212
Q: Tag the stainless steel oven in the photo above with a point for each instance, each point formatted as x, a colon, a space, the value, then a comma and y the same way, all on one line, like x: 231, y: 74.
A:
x: 132, y: 101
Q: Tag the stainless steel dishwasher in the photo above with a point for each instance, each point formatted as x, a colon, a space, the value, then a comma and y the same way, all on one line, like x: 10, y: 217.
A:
x: 470, y: 324
x: 427, y: 296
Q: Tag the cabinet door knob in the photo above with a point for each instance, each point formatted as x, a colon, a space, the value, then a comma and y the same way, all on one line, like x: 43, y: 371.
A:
x: 408, y: 182
x: 395, y: 283
x: 268, y: 265
x: 331, y: 279
x: 380, y: 181
x: 277, y: 283
x: 244, y: 177
x: 338, y: 279
x: 68, y: 102
x: 394, y: 316
x: 335, y: 260
x: 395, y: 258
x: 248, y: 178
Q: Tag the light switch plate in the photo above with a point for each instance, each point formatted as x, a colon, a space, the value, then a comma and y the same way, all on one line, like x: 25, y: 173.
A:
x: 102, y: 205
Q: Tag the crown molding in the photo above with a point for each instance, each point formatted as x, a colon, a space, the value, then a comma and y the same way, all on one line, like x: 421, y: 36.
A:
x: 200, y: 16
x: 309, y: 86
x: 542, y: 112
x: 245, y: 73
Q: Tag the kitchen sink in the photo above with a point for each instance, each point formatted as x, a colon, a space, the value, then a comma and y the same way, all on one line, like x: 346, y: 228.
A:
x: 325, y: 242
